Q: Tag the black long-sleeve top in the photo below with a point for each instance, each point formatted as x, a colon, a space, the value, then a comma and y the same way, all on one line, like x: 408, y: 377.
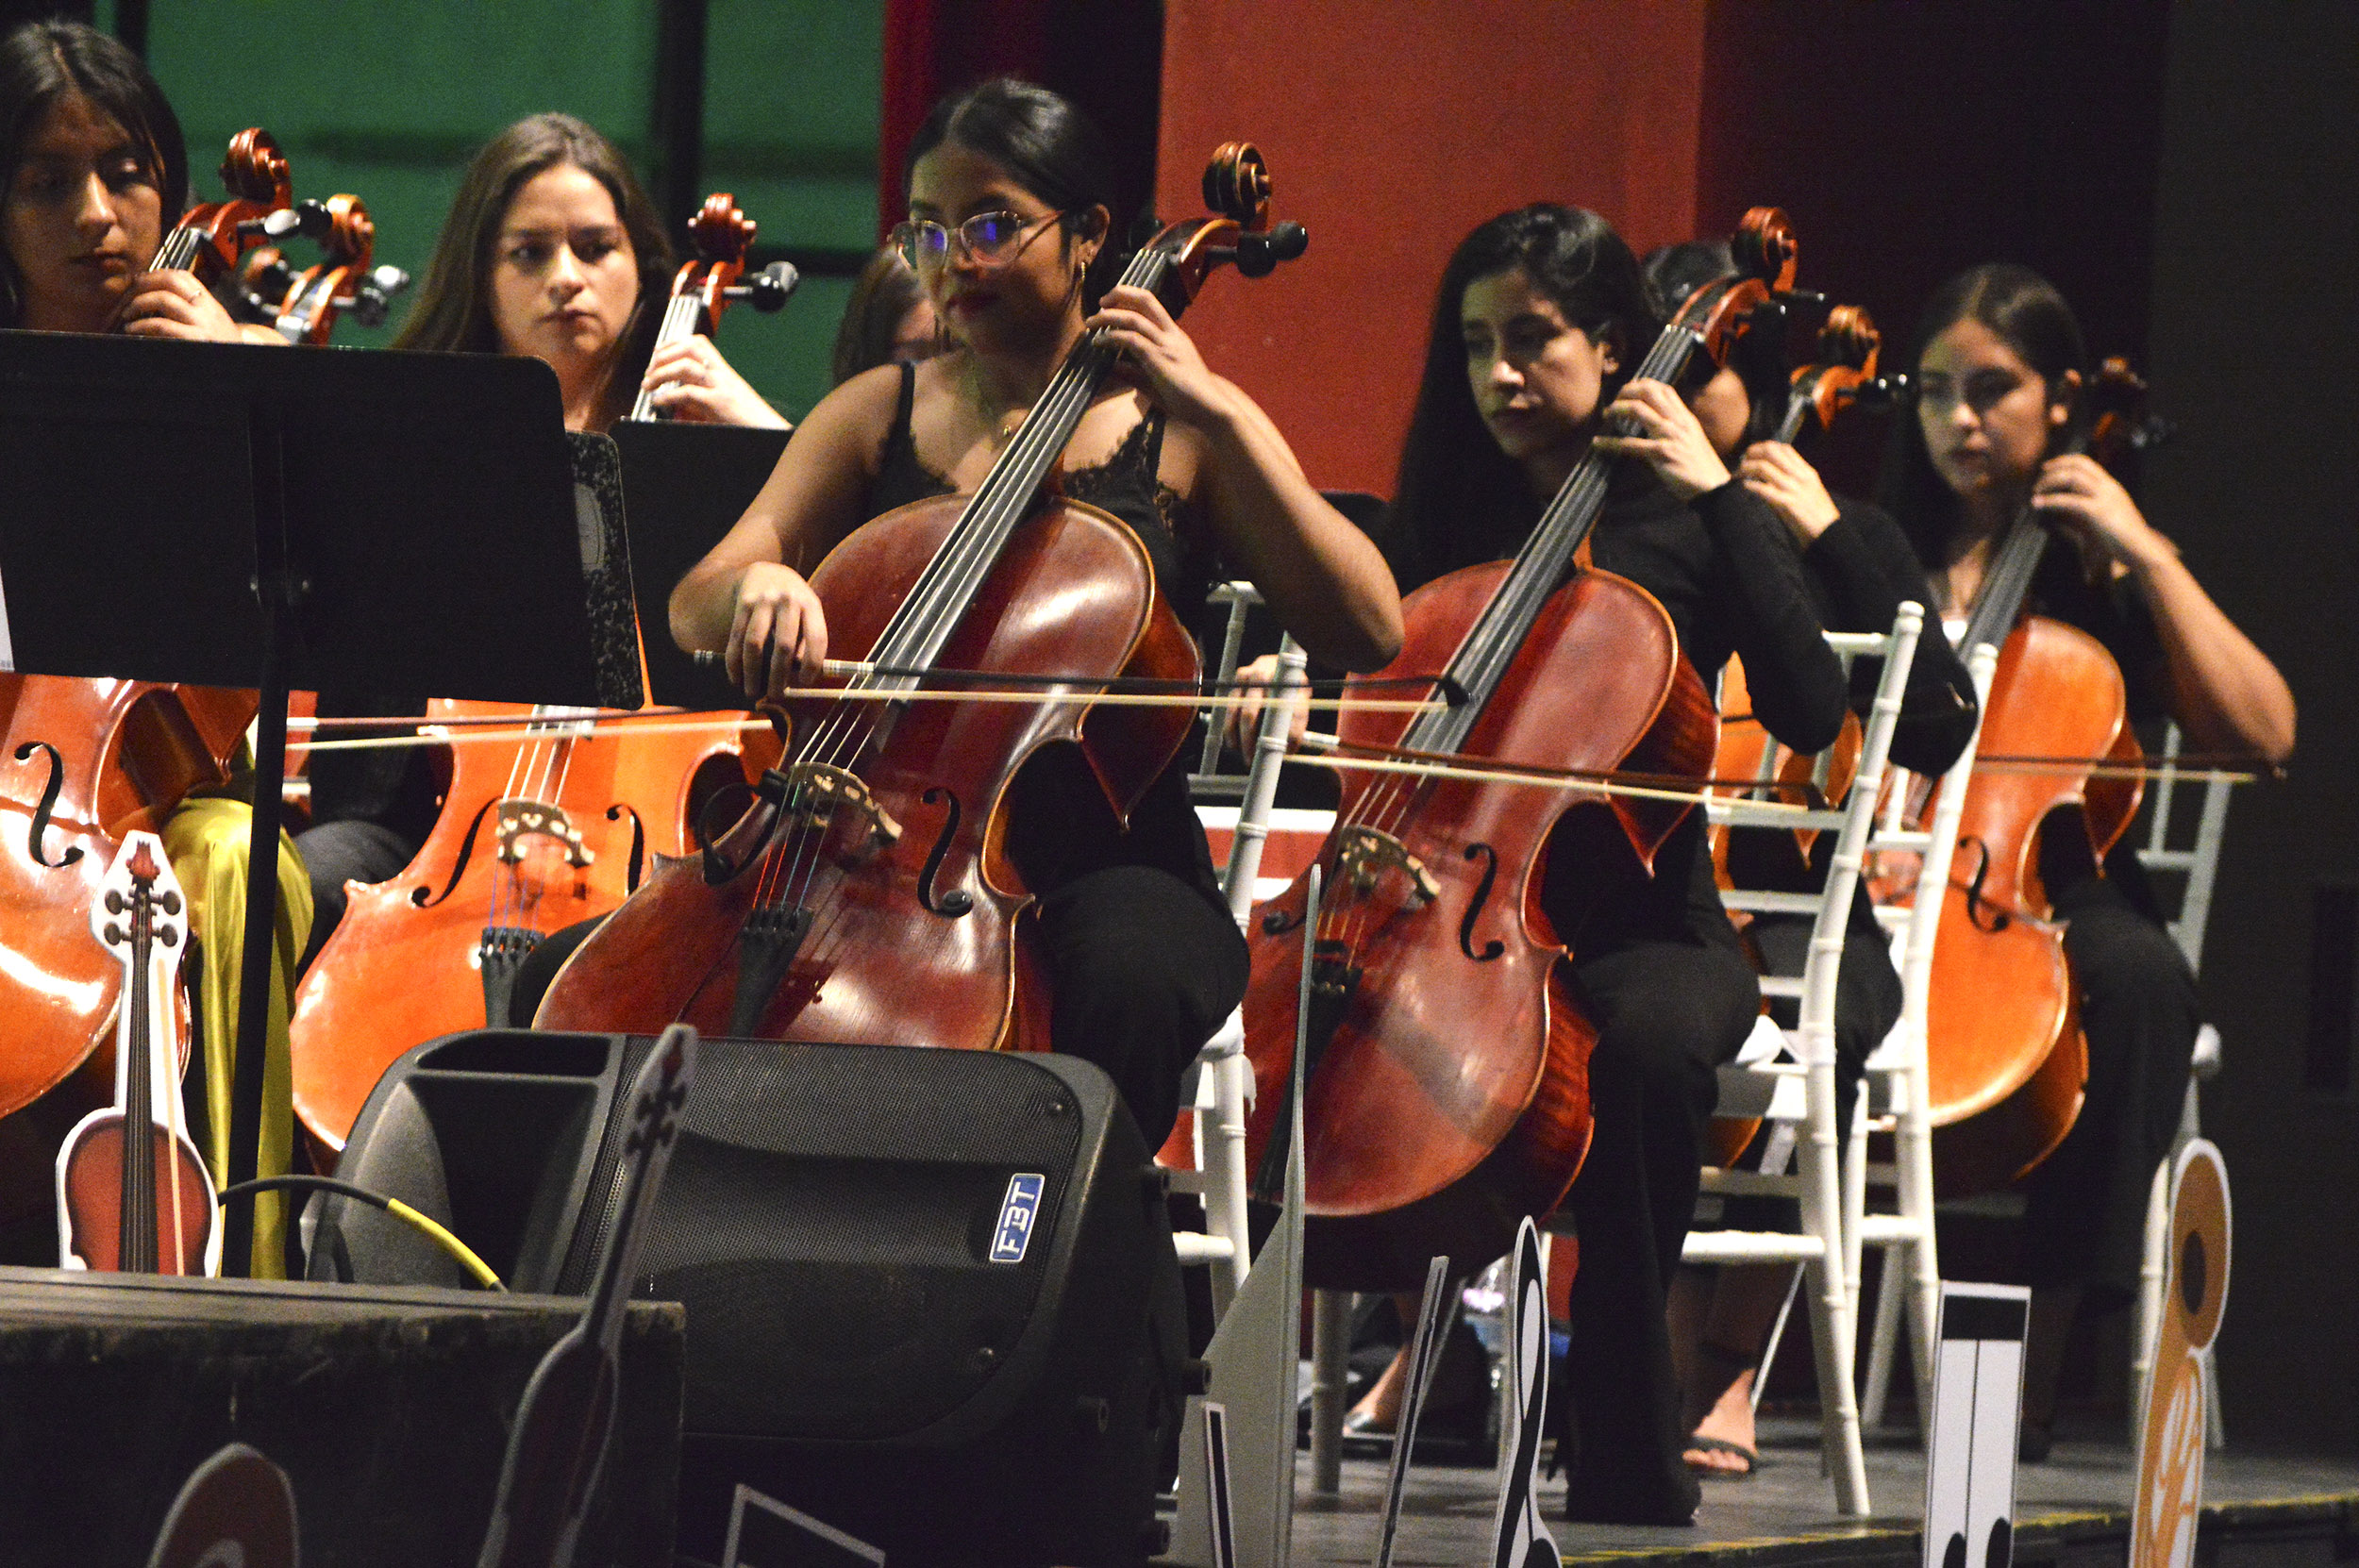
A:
x: 1858, y: 572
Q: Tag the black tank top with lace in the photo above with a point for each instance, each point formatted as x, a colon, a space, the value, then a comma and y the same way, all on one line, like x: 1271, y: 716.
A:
x: 1059, y: 827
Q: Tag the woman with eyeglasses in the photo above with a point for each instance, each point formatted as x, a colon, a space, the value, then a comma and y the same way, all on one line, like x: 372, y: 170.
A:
x: 2001, y: 375
x: 1009, y: 214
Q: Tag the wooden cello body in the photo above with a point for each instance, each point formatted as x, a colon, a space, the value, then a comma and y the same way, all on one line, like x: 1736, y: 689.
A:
x: 919, y: 943
x: 2005, y: 1058
x: 82, y: 762
x: 535, y: 835
x: 868, y: 896
x: 1450, y: 1098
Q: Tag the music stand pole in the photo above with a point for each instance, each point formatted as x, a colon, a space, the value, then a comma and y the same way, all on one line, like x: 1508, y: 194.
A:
x: 280, y: 594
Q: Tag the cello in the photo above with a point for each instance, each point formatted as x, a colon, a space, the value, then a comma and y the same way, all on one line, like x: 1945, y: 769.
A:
x: 133, y: 1194
x: 704, y: 288
x: 1843, y: 378
x: 2005, y: 1058
x: 867, y: 896
x: 307, y: 304
x: 1446, y: 1097
x: 83, y: 761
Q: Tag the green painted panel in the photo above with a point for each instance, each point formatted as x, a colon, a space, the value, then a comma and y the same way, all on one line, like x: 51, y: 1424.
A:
x: 388, y: 99
x: 793, y: 91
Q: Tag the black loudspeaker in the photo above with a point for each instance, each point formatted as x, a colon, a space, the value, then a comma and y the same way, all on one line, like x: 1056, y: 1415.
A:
x: 931, y: 1295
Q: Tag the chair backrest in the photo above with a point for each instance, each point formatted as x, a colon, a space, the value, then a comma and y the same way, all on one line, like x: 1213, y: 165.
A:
x: 1246, y: 825
x: 1828, y: 907
x: 2169, y: 847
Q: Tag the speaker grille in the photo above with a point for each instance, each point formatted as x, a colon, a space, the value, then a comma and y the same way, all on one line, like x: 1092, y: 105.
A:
x: 828, y: 1221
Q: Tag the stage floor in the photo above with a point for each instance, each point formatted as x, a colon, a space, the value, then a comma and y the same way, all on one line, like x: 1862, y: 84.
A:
x: 2075, y: 1507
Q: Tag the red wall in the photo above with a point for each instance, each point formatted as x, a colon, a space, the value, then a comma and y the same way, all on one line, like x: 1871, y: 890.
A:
x: 1391, y: 129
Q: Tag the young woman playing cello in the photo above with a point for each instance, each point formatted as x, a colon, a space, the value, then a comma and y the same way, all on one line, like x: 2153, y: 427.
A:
x: 1858, y: 567
x: 552, y: 251
x: 2001, y: 369
x: 1010, y: 219
x: 1539, y: 314
x: 94, y: 170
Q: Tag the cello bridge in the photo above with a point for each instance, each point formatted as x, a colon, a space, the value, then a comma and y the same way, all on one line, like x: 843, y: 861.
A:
x: 1364, y: 854
x: 818, y: 792
x: 517, y: 820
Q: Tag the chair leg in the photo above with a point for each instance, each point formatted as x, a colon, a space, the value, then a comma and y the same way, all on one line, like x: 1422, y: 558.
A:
x: 1833, y: 1328
x: 1330, y: 1353
x: 1912, y: 1155
x: 2153, y: 1266
x: 1223, y: 1156
x: 1883, y: 1330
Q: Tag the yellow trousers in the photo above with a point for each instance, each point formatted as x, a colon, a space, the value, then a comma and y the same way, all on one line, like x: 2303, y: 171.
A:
x: 207, y: 841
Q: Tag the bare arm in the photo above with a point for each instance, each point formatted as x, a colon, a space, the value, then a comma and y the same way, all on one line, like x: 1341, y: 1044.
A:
x: 1324, y: 579
x: 2224, y: 691
x: 748, y: 593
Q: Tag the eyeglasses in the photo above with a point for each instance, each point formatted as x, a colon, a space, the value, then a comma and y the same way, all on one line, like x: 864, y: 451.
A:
x: 992, y: 239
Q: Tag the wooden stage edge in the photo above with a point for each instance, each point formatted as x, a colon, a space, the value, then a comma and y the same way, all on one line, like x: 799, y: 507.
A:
x: 2264, y: 1512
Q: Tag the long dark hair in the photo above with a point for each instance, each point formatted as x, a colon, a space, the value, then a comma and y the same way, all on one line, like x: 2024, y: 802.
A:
x: 43, y: 62
x: 1048, y: 144
x: 454, y: 308
x: 2029, y: 317
x: 1759, y: 359
x: 883, y: 296
x: 1460, y: 499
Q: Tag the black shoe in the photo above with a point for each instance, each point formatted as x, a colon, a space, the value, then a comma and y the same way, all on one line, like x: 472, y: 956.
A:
x: 2033, y: 1443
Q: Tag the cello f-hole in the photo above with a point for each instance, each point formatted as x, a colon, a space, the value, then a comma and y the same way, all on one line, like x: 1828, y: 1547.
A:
x: 1996, y: 919
x: 616, y: 812
x: 1493, y: 948
x: 42, y: 813
x: 466, y: 852
x: 955, y: 903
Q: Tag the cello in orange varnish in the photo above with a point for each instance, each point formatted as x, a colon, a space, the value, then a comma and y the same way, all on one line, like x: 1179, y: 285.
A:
x: 1447, y: 1095
x: 535, y: 835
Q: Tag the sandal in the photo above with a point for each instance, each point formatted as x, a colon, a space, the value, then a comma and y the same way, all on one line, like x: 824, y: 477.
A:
x: 1721, y: 1445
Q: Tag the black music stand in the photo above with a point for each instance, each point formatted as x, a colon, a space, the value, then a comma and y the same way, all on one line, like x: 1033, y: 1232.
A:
x: 684, y: 485
x: 228, y: 516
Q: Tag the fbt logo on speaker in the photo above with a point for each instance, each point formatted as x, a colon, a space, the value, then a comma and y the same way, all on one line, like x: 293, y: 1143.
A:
x: 1016, y: 1212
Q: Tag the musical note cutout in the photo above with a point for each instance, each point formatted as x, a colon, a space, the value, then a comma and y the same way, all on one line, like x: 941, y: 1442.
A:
x: 1434, y: 1314
x: 2170, y: 1450
x: 557, y: 1446
x: 1519, y: 1537
x: 766, y: 1533
x: 1977, y: 1397
x: 238, y: 1507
